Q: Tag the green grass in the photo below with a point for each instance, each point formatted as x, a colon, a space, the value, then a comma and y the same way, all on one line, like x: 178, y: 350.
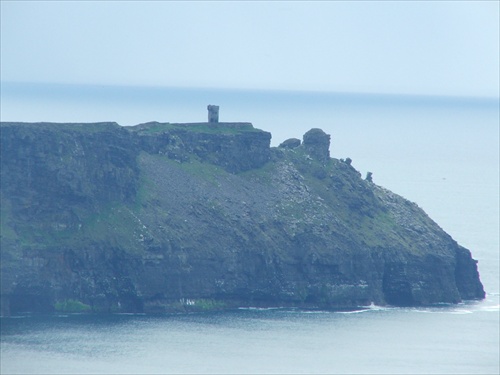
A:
x: 72, y: 306
x: 209, y: 304
x: 204, y: 170
x: 63, y: 129
x: 262, y: 175
x: 195, y: 305
x: 117, y: 225
x: 215, y: 128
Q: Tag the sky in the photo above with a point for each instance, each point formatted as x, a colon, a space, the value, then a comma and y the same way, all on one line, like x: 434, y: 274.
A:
x: 400, y: 47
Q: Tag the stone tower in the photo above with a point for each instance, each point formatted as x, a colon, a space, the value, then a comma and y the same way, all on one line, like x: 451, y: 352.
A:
x: 213, y: 113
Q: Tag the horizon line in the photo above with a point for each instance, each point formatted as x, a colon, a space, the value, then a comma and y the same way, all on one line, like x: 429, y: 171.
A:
x: 257, y: 90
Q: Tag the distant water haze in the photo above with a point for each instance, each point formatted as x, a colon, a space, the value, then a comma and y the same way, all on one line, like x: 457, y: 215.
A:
x: 420, y: 47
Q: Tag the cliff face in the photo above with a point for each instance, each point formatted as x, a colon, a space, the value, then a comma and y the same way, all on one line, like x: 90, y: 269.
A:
x: 162, y: 216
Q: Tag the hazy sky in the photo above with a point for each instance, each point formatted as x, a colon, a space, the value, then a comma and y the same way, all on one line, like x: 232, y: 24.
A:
x: 424, y: 47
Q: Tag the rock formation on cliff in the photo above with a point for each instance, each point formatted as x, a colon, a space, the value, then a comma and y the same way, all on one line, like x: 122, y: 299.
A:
x: 157, y: 216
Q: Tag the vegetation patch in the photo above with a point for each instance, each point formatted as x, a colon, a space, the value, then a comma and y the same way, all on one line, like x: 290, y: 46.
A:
x: 202, y: 304
x: 205, y: 171
x: 203, y: 127
x: 209, y: 304
x: 260, y: 175
x: 72, y: 306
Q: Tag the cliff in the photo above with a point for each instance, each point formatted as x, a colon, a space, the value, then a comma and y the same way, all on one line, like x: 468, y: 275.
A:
x: 158, y: 217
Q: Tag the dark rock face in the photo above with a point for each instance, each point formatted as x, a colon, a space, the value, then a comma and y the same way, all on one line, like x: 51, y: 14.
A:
x: 468, y: 284
x: 157, y: 216
x: 236, y: 147
x: 82, y: 165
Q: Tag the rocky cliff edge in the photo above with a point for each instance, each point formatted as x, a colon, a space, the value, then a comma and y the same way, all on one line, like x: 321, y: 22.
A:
x: 160, y: 217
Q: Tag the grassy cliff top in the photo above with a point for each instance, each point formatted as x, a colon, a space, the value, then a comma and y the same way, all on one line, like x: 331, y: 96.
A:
x: 199, y: 127
x: 66, y: 126
x: 148, y: 128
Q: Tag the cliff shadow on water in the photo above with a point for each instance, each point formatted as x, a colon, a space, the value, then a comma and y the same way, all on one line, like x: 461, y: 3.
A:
x: 179, y: 217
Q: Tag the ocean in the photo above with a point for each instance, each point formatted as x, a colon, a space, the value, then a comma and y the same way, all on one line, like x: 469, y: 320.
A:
x: 440, y: 152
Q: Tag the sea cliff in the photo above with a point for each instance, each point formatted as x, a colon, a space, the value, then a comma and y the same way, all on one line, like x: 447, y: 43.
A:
x: 160, y: 217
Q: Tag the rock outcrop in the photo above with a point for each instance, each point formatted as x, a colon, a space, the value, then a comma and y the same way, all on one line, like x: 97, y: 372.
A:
x: 162, y: 216
x: 236, y: 147
x: 317, y: 143
x: 290, y: 143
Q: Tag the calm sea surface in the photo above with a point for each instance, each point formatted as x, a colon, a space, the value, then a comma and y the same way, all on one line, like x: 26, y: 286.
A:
x: 442, y: 153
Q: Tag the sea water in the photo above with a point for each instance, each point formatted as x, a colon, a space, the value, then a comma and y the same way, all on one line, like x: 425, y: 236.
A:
x: 442, y: 153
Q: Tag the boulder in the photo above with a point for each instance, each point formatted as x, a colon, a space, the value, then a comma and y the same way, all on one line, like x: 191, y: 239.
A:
x: 317, y: 144
x: 290, y: 143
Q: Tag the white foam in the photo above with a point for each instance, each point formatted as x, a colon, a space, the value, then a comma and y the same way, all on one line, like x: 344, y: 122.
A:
x: 132, y: 314
x: 490, y: 308
x: 372, y: 306
x: 353, y: 312
x: 460, y: 312
x: 259, y: 308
